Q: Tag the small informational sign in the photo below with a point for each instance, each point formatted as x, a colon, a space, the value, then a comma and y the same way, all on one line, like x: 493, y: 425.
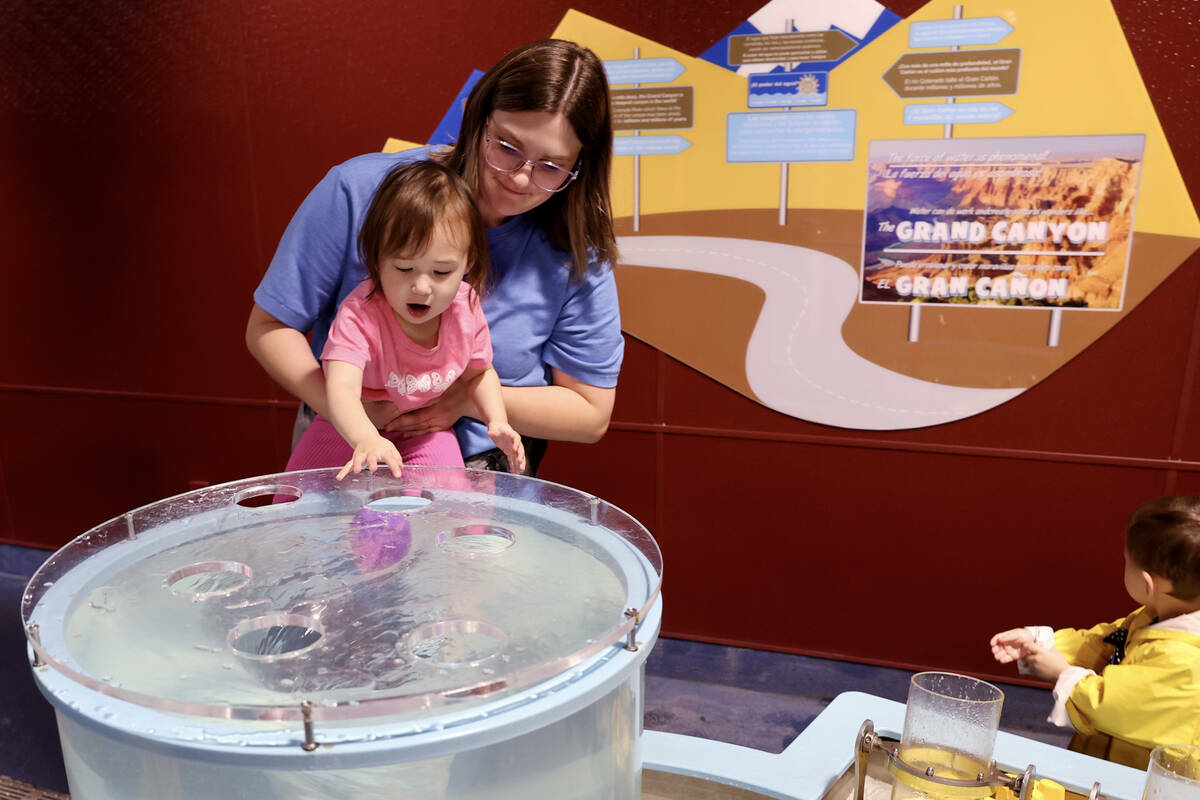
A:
x: 788, y: 89
x: 653, y: 108
x: 955, y: 113
x: 956, y: 73
x: 642, y: 70
x: 790, y: 136
x: 1000, y: 221
x: 958, y: 32
x: 789, y: 48
x: 662, y: 145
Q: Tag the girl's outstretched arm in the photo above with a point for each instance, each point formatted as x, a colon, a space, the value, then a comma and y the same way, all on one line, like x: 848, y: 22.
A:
x: 344, y: 389
x: 484, y: 389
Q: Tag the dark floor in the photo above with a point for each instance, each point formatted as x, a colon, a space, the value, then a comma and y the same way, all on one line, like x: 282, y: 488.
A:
x: 747, y: 697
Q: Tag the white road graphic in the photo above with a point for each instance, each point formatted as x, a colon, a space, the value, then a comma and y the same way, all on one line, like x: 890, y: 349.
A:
x: 796, y: 361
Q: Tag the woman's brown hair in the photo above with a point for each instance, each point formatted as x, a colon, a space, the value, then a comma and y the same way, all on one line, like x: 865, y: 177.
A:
x: 411, y: 202
x: 565, y: 78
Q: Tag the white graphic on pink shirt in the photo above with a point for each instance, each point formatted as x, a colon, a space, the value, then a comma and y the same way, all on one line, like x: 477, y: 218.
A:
x: 425, y: 382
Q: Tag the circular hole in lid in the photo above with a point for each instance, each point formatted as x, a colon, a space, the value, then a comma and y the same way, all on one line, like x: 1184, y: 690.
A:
x: 274, y: 636
x: 456, y: 642
x: 470, y: 540
x: 209, y: 579
x: 261, y: 496
x: 399, y: 501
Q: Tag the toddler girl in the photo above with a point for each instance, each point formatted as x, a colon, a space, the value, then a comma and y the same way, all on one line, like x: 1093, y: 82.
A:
x: 411, y: 329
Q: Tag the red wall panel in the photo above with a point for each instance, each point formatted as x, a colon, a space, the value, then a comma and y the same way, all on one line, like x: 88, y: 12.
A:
x: 152, y: 155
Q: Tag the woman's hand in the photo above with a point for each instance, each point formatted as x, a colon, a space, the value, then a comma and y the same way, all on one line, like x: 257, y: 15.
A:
x: 439, y: 415
x: 369, y: 454
x: 508, y: 440
x: 380, y: 412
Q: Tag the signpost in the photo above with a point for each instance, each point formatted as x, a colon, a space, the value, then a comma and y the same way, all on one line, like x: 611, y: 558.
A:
x: 783, y: 48
x: 652, y: 108
x: 954, y: 74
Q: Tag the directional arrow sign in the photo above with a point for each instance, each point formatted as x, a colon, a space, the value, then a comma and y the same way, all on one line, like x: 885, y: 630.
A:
x: 643, y: 70
x: 784, y: 48
x: 954, y: 74
x: 954, y: 32
x: 666, y: 145
x: 653, y: 108
x: 954, y: 114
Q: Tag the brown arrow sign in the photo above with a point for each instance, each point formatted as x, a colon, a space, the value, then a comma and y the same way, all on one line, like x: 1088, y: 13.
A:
x: 785, y: 48
x: 954, y: 74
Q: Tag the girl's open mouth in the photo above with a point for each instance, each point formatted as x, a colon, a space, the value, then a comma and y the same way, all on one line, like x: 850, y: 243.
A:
x: 418, y: 309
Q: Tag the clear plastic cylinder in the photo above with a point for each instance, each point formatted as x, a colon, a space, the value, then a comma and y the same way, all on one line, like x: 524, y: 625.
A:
x: 1174, y: 773
x: 950, y: 726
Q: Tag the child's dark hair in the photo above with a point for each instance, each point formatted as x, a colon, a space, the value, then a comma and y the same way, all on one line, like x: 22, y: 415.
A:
x: 411, y: 202
x: 1163, y: 538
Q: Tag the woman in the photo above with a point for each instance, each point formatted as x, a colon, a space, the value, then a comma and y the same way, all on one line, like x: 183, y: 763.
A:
x: 536, y: 146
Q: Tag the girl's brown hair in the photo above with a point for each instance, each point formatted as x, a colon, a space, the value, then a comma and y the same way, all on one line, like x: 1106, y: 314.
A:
x: 565, y: 78
x: 411, y: 202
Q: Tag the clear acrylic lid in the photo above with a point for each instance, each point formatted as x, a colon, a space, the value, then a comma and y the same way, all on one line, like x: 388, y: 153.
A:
x: 366, y: 597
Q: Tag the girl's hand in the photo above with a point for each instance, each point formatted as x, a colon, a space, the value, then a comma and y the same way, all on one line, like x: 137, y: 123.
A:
x: 1043, y: 662
x: 370, y: 454
x: 509, y: 441
x: 439, y: 415
x: 1011, y: 645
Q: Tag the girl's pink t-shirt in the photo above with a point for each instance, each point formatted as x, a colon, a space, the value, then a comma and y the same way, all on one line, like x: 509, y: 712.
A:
x: 365, y: 333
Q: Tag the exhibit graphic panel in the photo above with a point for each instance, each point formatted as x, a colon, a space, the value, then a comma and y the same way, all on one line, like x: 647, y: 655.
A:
x: 879, y: 224
x: 777, y: 254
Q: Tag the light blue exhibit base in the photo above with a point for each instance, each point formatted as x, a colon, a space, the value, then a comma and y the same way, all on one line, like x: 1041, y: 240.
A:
x: 825, y: 750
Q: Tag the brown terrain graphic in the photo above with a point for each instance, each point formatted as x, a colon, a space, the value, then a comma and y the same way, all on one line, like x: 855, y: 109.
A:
x: 1104, y: 189
x: 706, y: 320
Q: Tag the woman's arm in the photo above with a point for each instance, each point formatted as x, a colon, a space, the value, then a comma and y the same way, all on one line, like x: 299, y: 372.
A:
x: 285, y: 354
x: 569, y: 410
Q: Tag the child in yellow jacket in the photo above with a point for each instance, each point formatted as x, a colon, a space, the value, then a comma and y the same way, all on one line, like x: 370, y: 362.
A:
x: 1129, y: 685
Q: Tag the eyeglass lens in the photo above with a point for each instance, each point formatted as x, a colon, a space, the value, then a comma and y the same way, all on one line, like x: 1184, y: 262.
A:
x: 506, y: 158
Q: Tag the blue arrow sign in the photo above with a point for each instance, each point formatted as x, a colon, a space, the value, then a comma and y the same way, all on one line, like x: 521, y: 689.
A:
x: 667, y: 145
x: 954, y: 113
x: 643, y: 70
x: 954, y: 32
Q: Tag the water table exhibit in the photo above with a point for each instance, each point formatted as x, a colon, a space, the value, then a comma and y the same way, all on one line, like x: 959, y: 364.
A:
x: 450, y: 634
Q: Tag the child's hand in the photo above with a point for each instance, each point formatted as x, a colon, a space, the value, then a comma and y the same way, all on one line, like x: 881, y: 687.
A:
x: 1008, y: 646
x: 370, y: 454
x: 509, y: 441
x: 1043, y: 662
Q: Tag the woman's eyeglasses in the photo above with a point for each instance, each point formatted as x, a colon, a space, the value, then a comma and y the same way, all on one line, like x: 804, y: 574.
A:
x: 503, y: 157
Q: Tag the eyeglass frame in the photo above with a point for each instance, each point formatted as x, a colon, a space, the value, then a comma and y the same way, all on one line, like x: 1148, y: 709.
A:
x: 488, y: 139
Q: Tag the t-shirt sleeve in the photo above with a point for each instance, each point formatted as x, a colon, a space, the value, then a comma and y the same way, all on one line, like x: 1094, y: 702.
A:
x: 350, y: 335
x: 305, y: 274
x: 481, y: 341
x: 586, y: 342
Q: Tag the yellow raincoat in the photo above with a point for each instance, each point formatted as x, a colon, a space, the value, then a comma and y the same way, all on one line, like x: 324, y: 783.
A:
x: 1152, y: 697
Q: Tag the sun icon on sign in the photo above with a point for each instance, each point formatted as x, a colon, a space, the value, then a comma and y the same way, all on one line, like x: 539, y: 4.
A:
x: 808, y: 85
